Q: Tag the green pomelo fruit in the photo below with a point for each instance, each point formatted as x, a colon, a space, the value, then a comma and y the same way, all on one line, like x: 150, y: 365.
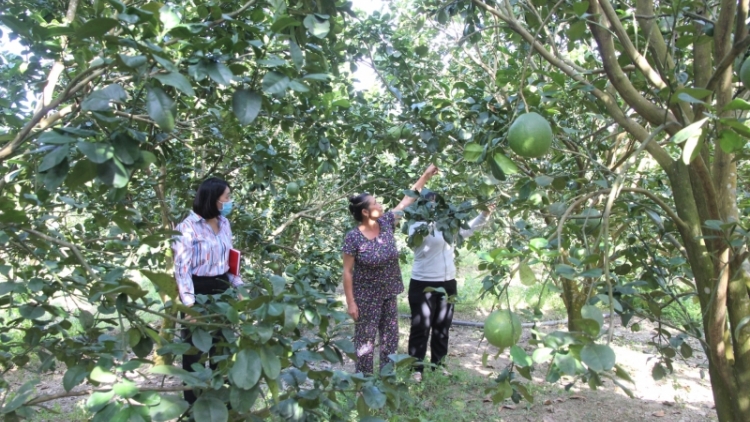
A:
x: 502, y: 328
x: 292, y: 188
x: 745, y: 73
x: 530, y: 135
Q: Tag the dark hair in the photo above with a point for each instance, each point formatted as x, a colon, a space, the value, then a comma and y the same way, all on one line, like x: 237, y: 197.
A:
x: 357, y: 204
x: 430, y: 195
x: 206, y: 197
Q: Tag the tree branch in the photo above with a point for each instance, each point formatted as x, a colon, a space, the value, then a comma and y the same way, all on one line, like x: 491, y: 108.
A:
x: 23, y: 135
x: 630, y: 125
x: 68, y: 245
x: 49, y: 397
x: 620, y: 81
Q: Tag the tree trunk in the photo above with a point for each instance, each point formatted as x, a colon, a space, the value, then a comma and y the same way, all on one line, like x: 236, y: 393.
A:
x: 167, y: 325
x: 574, y: 299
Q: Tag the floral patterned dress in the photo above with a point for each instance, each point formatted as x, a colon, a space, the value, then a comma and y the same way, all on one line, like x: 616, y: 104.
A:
x: 376, y: 281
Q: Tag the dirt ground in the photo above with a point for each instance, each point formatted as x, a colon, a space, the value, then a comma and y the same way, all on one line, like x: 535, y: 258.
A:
x: 680, y: 397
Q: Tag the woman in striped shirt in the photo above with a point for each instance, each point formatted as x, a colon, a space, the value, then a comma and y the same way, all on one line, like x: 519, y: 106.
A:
x: 201, y: 255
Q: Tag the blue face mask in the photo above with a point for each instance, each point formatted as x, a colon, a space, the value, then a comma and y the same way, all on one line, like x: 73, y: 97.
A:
x: 226, y: 208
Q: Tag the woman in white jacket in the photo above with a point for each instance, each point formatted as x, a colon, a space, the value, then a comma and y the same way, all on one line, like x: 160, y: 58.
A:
x: 432, y: 311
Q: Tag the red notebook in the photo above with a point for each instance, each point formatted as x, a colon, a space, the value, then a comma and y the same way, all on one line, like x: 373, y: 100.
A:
x: 234, y: 261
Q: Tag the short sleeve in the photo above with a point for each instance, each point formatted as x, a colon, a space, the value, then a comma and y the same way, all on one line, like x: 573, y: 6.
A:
x: 350, y: 243
x: 388, y: 220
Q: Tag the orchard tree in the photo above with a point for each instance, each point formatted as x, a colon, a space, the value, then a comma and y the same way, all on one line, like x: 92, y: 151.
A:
x: 618, y: 80
x: 112, y: 114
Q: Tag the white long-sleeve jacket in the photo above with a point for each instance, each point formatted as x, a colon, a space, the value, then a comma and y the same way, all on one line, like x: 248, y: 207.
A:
x: 433, y: 259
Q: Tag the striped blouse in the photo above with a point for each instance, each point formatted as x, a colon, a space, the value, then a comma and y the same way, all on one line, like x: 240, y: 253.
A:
x: 199, y: 251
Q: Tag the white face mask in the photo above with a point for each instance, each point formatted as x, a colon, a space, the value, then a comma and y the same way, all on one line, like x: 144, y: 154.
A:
x: 226, y: 208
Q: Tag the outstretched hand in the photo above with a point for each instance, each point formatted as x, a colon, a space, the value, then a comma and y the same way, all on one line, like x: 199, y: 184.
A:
x: 431, y: 170
x: 489, y: 210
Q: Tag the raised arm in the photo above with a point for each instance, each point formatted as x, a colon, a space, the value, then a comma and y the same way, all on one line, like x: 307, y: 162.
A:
x: 407, y: 200
x: 478, y: 222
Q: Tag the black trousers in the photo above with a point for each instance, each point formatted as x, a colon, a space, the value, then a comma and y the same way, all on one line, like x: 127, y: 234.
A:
x: 202, y: 286
x: 430, y: 312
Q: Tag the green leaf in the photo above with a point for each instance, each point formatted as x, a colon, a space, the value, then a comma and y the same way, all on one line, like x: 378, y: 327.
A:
x: 246, y: 105
x: 187, y: 377
x: 98, y: 399
x: 100, y: 99
x: 96, y: 27
x: 623, y: 374
x: 520, y: 357
x: 164, y: 283
x: 317, y: 76
x: 737, y: 104
x: 342, y: 102
x: 23, y: 394
x: 74, y: 376
x: 542, y: 354
x: 126, y: 149
x: 101, y: 375
x: 220, y: 73
x: 54, y: 157
x: 297, y: 57
x: 318, y: 27
x: 176, y: 80
x: 275, y: 83
x: 170, y: 407
x: 161, y: 108
x: 125, y: 389
x: 245, y: 373
x: 691, y: 95
x: 526, y: 274
x: 55, y: 137
x: 144, y: 347
x: 270, y: 363
x: 283, y: 22
x: 691, y: 131
x: 133, y: 62
x: 598, y: 357
x: 373, y: 397
x: 472, y: 152
x: 168, y: 18
x: 298, y: 86
x: 580, y: 8
x: 54, y: 177
x: 506, y: 164
x: 740, y: 326
x: 593, y: 313
x: 738, y: 126
x: 278, y: 284
x: 113, y: 173
x: 730, y: 141
x: 202, y: 340
x: 658, y: 372
x: 538, y: 243
x: 209, y: 409
x: 566, y: 363
x: 243, y: 400
x: 96, y: 152
x: 692, y: 149
x: 421, y: 50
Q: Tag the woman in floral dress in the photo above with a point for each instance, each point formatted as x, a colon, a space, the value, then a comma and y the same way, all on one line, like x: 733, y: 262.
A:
x: 372, y: 277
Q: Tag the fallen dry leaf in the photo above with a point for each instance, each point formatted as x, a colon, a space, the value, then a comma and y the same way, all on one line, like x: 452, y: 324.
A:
x: 507, y: 406
x: 667, y: 403
x: 547, y: 402
x: 658, y: 414
x: 559, y: 400
x: 578, y: 398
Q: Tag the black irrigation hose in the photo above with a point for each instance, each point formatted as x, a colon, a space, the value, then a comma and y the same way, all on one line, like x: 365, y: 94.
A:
x: 481, y: 324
